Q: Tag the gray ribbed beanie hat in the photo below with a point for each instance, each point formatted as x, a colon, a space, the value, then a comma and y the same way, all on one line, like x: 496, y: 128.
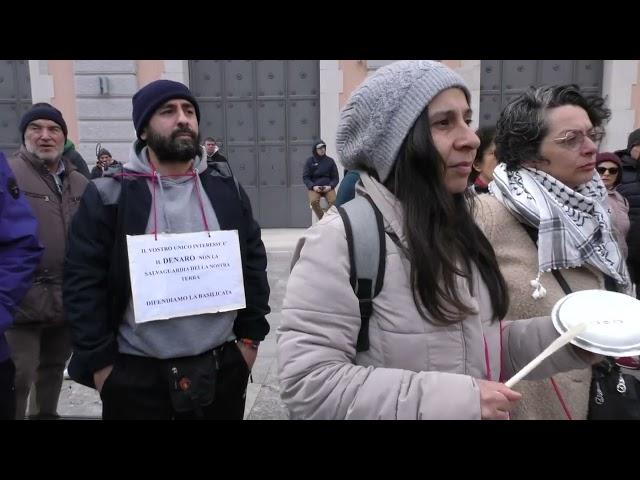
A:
x: 380, y: 113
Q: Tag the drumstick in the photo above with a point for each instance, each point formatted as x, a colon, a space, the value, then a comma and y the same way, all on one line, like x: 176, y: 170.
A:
x: 558, y: 343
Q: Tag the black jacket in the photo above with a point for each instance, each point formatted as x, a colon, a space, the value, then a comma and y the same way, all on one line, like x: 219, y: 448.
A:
x: 216, y: 157
x: 96, y: 285
x: 97, y: 172
x: 629, y: 185
x: 78, y: 161
x: 633, y: 260
x: 320, y: 171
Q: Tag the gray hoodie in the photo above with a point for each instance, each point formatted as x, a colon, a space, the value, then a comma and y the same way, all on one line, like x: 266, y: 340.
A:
x: 178, y: 211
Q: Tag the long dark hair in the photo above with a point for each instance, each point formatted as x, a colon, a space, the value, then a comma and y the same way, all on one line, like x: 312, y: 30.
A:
x: 443, y: 239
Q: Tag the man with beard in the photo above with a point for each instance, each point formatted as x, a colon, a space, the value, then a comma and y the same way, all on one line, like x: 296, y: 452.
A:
x: 104, y: 162
x: 188, y: 367
x: 40, y: 340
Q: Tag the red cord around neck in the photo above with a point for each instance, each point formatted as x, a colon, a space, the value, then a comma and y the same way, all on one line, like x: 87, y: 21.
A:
x: 154, y: 178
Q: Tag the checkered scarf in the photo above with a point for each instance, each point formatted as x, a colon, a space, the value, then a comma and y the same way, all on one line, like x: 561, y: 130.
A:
x: 573, y: 225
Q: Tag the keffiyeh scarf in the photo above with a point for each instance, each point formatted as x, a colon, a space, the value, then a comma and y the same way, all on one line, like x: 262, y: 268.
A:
x: 574, y: 227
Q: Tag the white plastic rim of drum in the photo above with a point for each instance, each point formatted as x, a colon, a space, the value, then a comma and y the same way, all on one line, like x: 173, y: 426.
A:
x: 613, y: 321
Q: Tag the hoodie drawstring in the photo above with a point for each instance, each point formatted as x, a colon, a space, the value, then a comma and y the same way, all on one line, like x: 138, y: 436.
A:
x: 153, y: 200
x: 204, y: 217
x: 155, y: 177
x: 167, y: 222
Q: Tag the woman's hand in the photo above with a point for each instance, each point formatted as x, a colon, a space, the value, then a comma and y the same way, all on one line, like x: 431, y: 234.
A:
x: 496, y: 400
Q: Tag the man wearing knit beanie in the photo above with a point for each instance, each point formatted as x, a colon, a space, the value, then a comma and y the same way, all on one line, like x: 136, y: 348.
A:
x: 42, y: 111
x: 630, y: 181
x: 634, y: 140
x: 149, y: 98
x: 188, y: 365
x: 40, y: 339
x: 629, y: 188
x: 104, y: 162
x: 45, y: 118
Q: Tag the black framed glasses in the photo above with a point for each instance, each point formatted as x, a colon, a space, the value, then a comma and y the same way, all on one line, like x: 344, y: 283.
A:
x: 574, y: 139
x: 611, y: 170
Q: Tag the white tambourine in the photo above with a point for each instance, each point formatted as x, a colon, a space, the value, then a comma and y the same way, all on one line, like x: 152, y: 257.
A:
x: 613, y: 321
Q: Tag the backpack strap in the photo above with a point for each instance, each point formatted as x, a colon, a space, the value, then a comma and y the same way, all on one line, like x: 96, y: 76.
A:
x: 364, y: 228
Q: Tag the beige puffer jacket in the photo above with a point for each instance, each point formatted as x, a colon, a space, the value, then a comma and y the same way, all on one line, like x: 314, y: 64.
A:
x: 413, y: 369
x: 518, y: 259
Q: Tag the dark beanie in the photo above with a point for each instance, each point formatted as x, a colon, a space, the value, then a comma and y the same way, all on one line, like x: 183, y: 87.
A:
x: 613, y: 158
x: 103, y: 151
x: 634, y: 139
x: 42, y: 111
x: 147, y: 100
x: 608, y: 157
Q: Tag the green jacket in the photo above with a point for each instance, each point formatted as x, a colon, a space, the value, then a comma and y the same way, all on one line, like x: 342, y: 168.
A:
x: 74, y: 157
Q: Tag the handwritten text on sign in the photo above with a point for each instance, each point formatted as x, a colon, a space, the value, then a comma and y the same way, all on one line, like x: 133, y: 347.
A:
x: 182, y: 274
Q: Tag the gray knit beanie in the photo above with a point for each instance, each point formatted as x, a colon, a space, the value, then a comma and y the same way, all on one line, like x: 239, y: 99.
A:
x: 380, y: 113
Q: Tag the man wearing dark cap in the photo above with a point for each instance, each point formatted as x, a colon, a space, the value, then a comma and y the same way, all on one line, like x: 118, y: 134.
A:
x: 40, y: 339
x: 187, y: 366
x: 630, y: 182
x: 629, y: 188
x: 104, y: 162
x: 320, y: 175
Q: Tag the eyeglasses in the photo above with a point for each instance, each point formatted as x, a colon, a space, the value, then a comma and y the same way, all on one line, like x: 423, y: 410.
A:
x: 574, y: 139
x: 612, y: 170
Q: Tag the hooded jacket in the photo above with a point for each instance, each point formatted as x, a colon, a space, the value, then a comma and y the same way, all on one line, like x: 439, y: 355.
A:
x: 97, y: 290
x: 629, y: 185
x: 320, y: 171
x: 216, y: 157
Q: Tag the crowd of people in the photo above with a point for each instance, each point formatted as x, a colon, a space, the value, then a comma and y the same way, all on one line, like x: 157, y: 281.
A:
x: 481, y: 232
